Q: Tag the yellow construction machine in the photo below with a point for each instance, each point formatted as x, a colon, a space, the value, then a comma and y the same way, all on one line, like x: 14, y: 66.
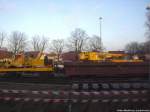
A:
x: 25, y: 63
x: 107, y: 57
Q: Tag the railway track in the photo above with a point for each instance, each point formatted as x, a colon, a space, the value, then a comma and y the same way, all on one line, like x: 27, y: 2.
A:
x: 61, y: 94
x: 65, y: 93
x: 65, y: 99
x: 62, y: 79
x: 74, y: 97
x: 83, y: 84
x: 18, y: 97
x: 42, y: 80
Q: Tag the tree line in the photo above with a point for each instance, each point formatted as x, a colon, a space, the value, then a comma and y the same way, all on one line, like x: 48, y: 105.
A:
x: 77, y: 41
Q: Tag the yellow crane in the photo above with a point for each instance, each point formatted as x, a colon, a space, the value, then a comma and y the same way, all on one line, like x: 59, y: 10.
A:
x: 106, y: 57
x: 25, y: 63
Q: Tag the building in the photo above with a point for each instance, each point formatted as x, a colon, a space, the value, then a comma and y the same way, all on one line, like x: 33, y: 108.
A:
x: 5, y: 54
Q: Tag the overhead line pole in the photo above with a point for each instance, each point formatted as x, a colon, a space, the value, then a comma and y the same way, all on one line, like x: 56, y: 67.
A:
x: 148, y: 9
x: 100, y: 29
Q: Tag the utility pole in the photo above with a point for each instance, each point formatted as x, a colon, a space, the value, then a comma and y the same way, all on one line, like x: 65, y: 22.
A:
x: 100, y: 24
x: 148, y: 9
x: 100, y: 29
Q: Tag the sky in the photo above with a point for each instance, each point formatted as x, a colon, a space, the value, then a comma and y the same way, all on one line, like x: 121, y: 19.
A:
x: 123, y: 20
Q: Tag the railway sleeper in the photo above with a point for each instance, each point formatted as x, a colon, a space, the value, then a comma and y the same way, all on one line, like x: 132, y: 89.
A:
x: 109, y: 86
x: 73, y: 100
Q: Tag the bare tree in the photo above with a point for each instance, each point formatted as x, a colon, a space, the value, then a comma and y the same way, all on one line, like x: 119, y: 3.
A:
x: 2, y: 38
x: 138, y: 48
x: 133, y: 48
x: 57, y: 47
x: 77, y: 40
x: 17, y: 42
x: 95, y: 43
x: 38, y: 43
x: 146, y: 47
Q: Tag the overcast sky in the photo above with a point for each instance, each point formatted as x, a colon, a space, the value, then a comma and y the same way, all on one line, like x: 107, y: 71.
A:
x: 123, y: 20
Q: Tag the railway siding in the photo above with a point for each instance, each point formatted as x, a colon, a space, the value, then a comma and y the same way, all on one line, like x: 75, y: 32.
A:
x: 74, y: 96
x: 24, y: 97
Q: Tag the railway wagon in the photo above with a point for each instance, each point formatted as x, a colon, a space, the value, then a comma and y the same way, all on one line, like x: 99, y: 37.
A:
x: 107, y: 69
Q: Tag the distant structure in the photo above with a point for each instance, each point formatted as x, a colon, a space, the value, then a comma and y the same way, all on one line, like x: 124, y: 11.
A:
x: 4, y: 53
